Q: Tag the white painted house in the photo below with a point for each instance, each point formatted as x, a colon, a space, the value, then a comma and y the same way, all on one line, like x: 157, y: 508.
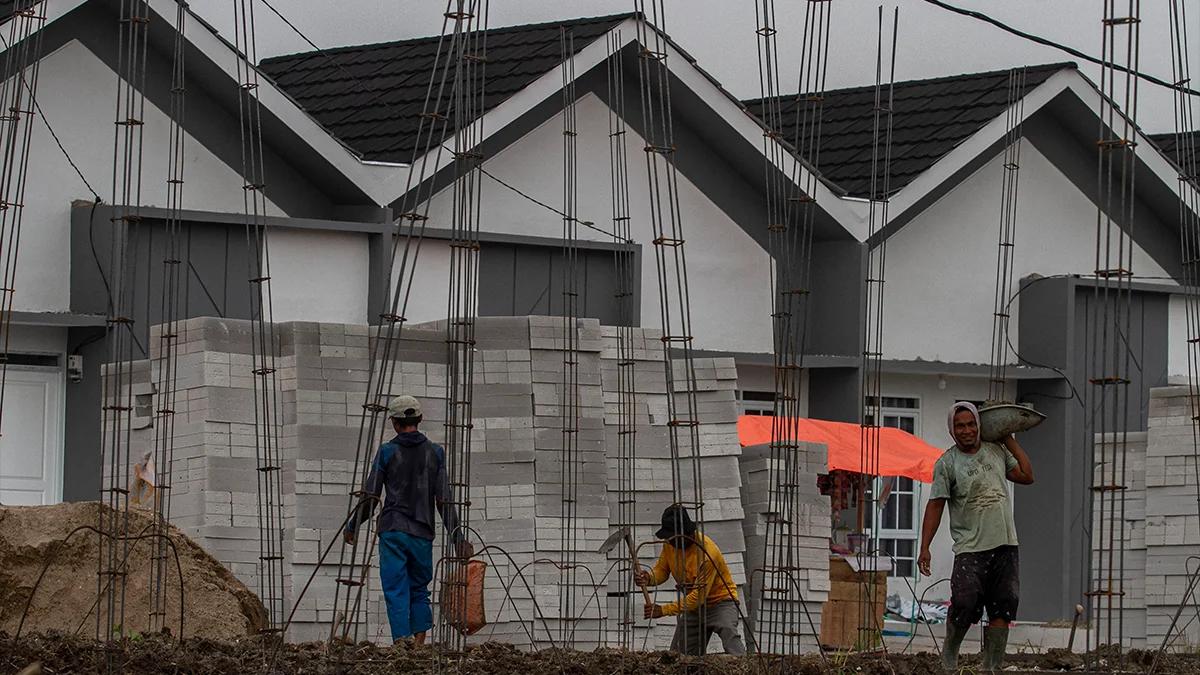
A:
x: 59, y: 303
x: 338, y: 130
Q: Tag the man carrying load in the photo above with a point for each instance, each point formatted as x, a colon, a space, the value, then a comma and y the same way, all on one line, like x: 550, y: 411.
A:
x: 971, y: 476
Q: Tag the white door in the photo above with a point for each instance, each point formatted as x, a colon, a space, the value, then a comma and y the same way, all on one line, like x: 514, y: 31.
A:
x: 31, y: 437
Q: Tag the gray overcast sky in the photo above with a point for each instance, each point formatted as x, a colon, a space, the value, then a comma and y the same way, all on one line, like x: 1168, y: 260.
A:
x: 720, y: 35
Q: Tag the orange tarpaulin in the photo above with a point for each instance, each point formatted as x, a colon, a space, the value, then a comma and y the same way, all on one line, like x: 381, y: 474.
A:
x: 900, y: 453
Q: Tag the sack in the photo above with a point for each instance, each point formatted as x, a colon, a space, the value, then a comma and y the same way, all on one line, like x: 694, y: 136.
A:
x: 141, y: 487
x: 462, y: 597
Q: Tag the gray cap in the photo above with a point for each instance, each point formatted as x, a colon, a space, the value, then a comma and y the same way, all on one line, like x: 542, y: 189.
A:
x: 404, y: 406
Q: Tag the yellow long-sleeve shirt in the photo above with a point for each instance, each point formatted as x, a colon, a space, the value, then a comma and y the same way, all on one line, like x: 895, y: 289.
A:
x: 702, y: 573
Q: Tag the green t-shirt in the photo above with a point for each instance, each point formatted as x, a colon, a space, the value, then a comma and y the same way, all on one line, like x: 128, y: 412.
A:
x: 976, y: 487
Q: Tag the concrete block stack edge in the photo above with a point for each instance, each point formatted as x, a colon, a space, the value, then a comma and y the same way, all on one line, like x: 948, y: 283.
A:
x: 517, y: 476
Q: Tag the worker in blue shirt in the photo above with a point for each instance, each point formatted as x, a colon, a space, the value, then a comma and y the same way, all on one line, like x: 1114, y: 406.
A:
x: 413, y: 471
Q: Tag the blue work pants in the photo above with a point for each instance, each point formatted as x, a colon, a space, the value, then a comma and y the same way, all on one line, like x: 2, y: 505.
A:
x: 405, y: 570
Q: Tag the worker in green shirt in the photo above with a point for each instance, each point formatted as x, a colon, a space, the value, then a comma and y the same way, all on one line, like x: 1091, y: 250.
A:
x: 971, y: 476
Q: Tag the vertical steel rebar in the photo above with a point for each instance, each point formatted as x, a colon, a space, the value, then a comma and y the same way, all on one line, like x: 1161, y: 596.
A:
x: 1109, y: 322
x: 1006, y: 246
x: 468, y: 96
x: 174, y: 299
x: 869, y: 629
x: 568, y: 395
x: 264, y: 346
x: 354, y: 559
x: 117, y: 397
x: 18, y: 97
x: 667, y: 224
x: 625, y: 275
x: 790, y: 189
x: 1187, y: 163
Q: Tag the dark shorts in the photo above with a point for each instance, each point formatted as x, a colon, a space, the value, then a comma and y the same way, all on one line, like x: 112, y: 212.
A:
x: 985, y: 580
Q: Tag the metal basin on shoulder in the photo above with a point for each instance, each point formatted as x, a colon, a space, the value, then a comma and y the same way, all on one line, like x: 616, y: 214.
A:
x: 997, y: 420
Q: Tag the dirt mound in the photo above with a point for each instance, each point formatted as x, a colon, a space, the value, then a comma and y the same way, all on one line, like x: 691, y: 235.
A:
x: 216, y: 604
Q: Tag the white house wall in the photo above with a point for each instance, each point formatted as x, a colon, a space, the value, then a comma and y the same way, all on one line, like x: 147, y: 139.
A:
x: 728, y: 272
x: 319, y: 276
x: 429, y: 293
x: 941, y: 267
x: 76, y: 92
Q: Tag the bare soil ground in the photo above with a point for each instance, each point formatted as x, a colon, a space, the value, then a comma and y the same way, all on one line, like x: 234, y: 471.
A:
x: 59, y: 653
x: 218, y: 605
x: 223, y: 617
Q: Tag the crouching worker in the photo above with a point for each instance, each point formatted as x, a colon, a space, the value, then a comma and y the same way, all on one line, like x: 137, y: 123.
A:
x: 710, y: 605
x: 970, y: 476
x: 412, y: 469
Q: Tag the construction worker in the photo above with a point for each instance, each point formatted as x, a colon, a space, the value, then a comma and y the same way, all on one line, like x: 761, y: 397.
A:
x: 413, y: 470
x: 970, y: 476
x: 698, y: 567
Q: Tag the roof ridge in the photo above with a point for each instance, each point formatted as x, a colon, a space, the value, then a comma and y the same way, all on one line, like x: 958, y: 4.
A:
x: 1062, y: 65
x: 577, y: 21
x: 1164, y: 134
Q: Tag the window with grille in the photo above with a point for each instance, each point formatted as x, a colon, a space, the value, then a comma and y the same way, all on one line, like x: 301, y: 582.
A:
x: 898, y: 521
x: 756, y: 402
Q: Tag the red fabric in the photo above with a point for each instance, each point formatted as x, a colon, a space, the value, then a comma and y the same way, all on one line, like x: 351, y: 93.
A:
x: 900, y: 453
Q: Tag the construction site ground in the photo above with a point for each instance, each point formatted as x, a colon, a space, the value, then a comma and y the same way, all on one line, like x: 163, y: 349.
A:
x: 61, y: 653
x: 222, y: 618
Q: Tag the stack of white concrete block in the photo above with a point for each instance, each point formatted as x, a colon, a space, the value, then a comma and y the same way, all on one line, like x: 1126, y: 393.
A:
x: 332, y: 368
x: 572, y: 506
x: 654, y: 474
x: 651, y: 470
x: 213, y: 481
x: 714, y: 392
x: 1119, y: 536
x: 501, y: 476
x: 1172, y: 530
x: 515, y: 494
x: 786, y: 604
x: 1151, y: 528
x: 516, y: 471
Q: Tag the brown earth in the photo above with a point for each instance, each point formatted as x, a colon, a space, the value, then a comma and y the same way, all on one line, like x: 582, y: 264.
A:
x: 217, y: 605
x: 157, y: 653
x: 221, y: 612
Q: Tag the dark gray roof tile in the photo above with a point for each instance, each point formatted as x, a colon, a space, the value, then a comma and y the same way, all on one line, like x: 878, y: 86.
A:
x: 931, y: 117
x: 1169, y: 142
x: 371, y: 96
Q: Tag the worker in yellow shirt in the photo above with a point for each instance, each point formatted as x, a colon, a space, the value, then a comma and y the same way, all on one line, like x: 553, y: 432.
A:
x: 710, y: 604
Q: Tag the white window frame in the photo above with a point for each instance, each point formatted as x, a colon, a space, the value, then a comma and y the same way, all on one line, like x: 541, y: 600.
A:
x: 914, y: 532
x: 755, y: 407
